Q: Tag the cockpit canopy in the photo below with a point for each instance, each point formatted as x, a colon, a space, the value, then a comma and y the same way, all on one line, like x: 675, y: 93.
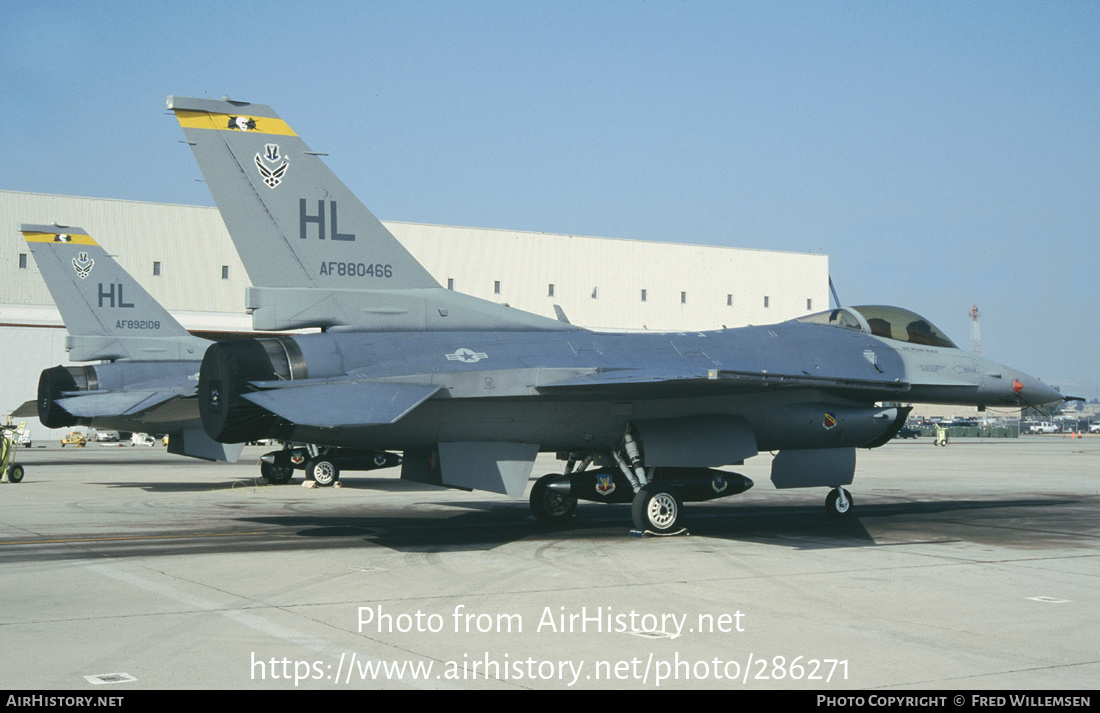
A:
x: 882, y: 321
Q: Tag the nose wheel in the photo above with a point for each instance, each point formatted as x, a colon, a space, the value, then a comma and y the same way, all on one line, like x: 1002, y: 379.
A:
x: 838, y: 503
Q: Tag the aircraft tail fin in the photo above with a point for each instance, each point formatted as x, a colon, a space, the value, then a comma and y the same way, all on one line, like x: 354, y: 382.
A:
x: 107, y: 313
x: 316, y: 255
x: 295, y: 224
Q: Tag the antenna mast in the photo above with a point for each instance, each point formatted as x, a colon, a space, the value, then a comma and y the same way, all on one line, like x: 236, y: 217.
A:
x: 975, y: 331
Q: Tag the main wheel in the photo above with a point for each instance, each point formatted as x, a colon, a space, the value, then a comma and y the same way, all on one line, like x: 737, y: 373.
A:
x: 276, y: 474
x: 548, y: 505
x: 323, y: 471
x: 657, y: 507
x: 15, y: 473
x: 836, y: 506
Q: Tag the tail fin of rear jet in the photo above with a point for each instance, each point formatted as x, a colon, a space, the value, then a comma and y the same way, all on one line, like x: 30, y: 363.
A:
x: 316, y: 255
x: 107, y: 313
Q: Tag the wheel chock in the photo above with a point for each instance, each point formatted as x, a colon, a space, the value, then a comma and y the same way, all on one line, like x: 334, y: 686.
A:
x: 634, y: 532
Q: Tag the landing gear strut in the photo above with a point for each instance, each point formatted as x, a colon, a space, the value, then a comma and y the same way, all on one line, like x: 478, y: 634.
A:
x: 656, y: 495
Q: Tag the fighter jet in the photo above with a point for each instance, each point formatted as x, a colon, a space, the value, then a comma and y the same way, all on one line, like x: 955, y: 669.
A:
x: 151, y: 381
x: 471, y: 391
x: 151, y: 374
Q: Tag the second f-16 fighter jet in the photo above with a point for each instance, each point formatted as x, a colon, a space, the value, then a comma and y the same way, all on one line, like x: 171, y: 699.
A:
x: 151, y: 363
x: 471, y: 391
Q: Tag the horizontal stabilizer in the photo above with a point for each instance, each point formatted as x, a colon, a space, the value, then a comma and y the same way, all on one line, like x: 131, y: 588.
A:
x: 333, y: 404
x: 28, y: 409
x: 116, y: 403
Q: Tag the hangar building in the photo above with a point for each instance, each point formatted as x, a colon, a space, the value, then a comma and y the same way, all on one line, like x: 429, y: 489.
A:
x: 184, y: 257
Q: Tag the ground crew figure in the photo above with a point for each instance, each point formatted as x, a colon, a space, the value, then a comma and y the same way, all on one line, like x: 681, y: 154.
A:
x: 941, y: 435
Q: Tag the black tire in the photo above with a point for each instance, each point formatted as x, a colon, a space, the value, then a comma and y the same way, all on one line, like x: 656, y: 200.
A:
x: 15, y: 473
x: 657, y: 507
x: 322, y: 471
x: 276, y: 474
x: 549, y: 506
x: 833, y: 505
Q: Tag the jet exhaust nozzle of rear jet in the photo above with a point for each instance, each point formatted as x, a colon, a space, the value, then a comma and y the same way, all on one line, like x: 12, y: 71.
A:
x: 54, y: 384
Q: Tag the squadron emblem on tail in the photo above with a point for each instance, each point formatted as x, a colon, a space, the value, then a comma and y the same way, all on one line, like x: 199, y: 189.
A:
x: 272, y: 176
x: 83, y: 265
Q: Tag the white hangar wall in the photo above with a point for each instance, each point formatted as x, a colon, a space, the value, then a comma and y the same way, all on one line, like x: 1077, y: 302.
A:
x: 599, y: 282
x: 183, y: 256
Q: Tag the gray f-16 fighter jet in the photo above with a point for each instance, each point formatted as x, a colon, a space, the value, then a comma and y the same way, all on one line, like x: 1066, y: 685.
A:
x: 151, y: 374
x: 151, y: 380
x: 472, y: 391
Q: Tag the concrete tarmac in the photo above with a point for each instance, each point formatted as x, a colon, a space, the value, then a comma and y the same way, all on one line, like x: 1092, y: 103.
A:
x: 971, y: 567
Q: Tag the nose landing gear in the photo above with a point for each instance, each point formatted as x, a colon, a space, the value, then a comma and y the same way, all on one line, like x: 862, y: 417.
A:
x: 838, y: 503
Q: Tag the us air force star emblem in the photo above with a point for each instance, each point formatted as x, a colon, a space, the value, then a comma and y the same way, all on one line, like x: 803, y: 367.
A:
x: 270, y: 169
x: 467, y: 356
x: 83, y: 265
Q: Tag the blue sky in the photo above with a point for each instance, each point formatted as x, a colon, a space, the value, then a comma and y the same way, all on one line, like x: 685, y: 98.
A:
x: 941, y: 153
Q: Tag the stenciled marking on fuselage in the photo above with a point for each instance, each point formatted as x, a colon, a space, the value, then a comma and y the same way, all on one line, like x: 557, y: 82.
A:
x: 356, y: 269
x: 320, y: 220
x: 138, y: 324
x: 110, y: 295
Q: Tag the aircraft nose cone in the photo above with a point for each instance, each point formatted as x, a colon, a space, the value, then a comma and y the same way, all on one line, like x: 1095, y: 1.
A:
x: 1034, y: 392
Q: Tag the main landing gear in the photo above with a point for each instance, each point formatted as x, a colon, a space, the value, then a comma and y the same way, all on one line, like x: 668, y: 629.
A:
x: 657, y: 507
x: 656, y: 495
